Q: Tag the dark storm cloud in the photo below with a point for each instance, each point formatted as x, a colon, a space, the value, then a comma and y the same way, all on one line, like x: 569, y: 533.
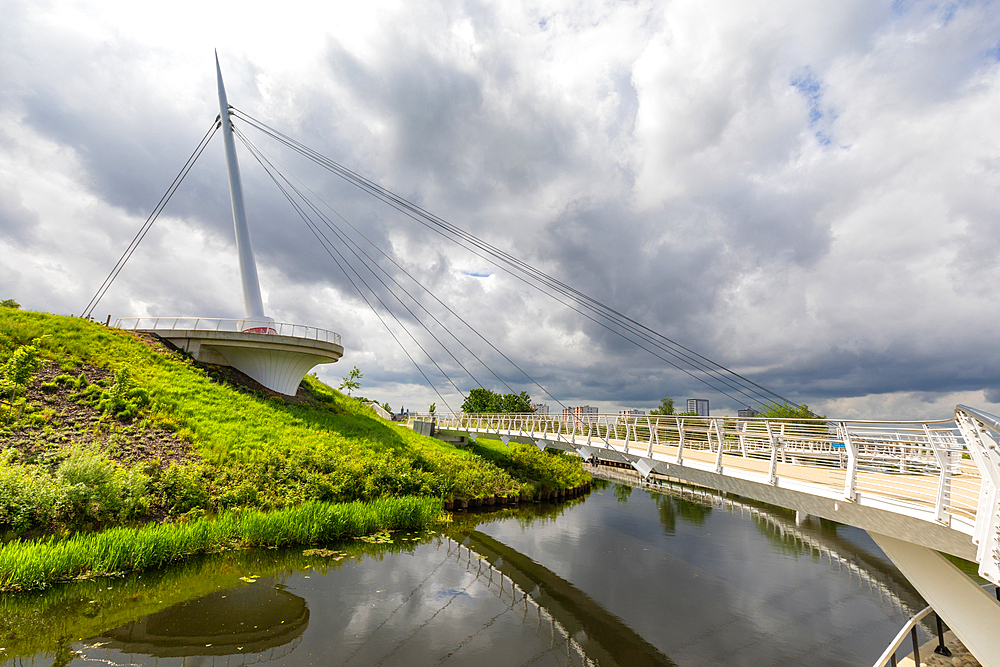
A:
x: 801, y: 193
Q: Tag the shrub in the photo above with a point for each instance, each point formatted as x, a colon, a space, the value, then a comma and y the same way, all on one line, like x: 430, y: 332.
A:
x: 182, y: 488
x: 91, y: 488
x: 18, y: 370
x: 123, y: 400
x: 27, y: 495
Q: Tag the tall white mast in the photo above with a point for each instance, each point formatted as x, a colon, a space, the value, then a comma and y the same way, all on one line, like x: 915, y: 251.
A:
x: 248, y: 267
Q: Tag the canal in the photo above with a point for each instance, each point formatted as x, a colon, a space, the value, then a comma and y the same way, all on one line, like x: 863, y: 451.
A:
x: 623, y: 576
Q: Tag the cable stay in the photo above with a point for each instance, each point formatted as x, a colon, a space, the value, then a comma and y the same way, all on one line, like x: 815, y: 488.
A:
x: 693, y: 364
x: 268, y: 163
x: 330, y: 250
x: 713, y: 375
x: 141, y: 234
x: 440, y: 226
x: 371, y: 262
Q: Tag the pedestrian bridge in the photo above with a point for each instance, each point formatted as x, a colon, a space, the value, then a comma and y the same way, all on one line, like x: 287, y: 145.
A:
x: 918, y: 488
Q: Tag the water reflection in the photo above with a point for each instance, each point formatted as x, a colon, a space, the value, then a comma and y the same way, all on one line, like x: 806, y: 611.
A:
x: 622, y: 577
x: 816, y: 538
x: 576, y: 619
x: 247, y: 620
x: 670, y: 508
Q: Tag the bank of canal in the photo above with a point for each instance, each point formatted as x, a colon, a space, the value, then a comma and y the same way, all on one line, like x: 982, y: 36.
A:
x: 621, y: 577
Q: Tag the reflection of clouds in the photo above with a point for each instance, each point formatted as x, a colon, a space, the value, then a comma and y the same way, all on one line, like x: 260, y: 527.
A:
x: 731, y: 582
x: 464, y: 606
x: 448, y: 592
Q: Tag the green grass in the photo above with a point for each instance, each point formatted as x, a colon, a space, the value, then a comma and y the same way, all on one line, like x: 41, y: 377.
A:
x: 274, y: 472
x: 51, y: 619
x: 256, y: 451
x: 538, y: 471
x: 35, y: 564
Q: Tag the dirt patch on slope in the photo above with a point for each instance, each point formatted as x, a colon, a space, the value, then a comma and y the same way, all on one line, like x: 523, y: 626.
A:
x: 63, y: 424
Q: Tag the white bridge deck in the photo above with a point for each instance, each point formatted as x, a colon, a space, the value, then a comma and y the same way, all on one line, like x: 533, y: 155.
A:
x: 930, y: 483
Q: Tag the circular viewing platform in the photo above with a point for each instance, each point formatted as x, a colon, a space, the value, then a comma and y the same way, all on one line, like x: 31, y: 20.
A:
x: 275, y: 354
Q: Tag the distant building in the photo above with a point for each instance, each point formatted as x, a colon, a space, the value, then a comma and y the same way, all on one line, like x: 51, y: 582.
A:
x: 582, y: 413
x: 540, y: 408
x: 749, y: 412
x: 624, y: 414
x: 699, y: 406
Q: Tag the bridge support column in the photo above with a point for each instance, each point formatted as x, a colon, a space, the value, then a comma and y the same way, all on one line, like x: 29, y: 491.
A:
x: 971, y: 612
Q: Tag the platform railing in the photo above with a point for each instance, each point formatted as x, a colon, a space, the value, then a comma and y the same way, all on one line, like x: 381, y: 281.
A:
x: 926, y: 466
x: 244, y: 325
x: 909, y: 630
x: 981, y: 432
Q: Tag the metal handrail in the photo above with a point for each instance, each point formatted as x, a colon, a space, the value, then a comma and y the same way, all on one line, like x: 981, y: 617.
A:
x: 228, y: 324
x: 926, y: 465
x: 380, y: 411
x: 888, y: 656
x: 988, y: 419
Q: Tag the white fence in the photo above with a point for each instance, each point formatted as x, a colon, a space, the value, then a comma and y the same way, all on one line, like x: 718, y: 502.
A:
x: 926, y: 464
x: 249, y: 325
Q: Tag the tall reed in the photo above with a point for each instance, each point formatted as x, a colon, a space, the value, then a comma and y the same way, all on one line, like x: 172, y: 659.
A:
x: 35, y: 564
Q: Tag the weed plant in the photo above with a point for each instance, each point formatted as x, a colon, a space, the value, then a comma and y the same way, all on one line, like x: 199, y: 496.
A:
x: 36, y: 564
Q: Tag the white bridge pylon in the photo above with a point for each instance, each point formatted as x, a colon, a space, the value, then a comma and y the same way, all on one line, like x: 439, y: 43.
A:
x: 277, y: 355
x: 917, y: 487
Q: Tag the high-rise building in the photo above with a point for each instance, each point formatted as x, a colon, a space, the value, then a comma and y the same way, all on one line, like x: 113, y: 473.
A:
x: 699, y: 406
x: 581, y: 413
x: 540, y: 408
x: 749, y: 412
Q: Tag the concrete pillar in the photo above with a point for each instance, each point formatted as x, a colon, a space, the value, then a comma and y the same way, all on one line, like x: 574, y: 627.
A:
x: 971, y: 612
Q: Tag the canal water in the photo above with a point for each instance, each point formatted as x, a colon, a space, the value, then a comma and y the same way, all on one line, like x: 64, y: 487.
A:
x: 624, y: 576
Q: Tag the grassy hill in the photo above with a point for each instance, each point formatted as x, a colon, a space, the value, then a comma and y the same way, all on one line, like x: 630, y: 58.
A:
x: 101, y: 427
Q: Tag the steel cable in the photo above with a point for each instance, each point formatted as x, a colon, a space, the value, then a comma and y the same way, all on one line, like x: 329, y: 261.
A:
x: 730, y: 379
x: 141, y: 234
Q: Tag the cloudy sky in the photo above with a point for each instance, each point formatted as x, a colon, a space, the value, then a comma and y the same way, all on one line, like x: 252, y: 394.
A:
x: 806, y: 194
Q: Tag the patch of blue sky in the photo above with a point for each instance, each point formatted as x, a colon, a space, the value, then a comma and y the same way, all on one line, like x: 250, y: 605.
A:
x: 450, y: 593
x: 477, y: 274
x: 820, y: 119
x: 812, y: 90
x: 994, y: 53
x: 900, y: 7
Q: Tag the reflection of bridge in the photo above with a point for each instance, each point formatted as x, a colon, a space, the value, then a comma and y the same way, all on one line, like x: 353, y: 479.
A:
x: 917, y: 487
x: 580, y: 629
x: 872, y: 573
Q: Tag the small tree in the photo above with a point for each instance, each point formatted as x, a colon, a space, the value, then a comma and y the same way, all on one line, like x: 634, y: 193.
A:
x: 22, y: 364
x: 432, y: 408
x: 666, y: 407
x: 351, y: 382
x: 481, y: 400
x: 788, y: 411
x: 9, y: 303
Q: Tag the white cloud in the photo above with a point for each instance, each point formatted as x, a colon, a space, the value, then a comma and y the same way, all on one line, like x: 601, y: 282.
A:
x: 808, y: 194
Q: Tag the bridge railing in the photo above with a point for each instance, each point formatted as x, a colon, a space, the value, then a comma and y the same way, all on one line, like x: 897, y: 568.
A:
x: 981, y: 432
x: 246, y: 325
x: 926, y: 464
